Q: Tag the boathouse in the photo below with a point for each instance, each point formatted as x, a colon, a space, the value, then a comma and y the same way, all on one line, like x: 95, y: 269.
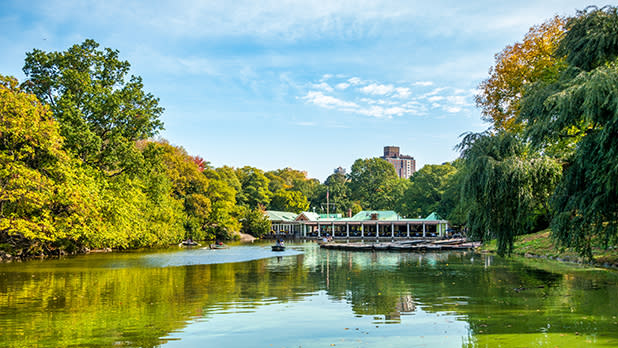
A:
x: 366, y: 224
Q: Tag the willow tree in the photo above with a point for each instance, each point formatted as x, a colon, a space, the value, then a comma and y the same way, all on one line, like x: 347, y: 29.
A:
x: 504, y: 186
x: 583, y: 105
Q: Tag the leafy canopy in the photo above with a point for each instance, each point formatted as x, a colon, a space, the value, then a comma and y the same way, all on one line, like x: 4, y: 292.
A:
x: 375, y: 184
x: 516, y: 67
x: 426, y: 190
x: 583, y: 105
x: 101, y: 110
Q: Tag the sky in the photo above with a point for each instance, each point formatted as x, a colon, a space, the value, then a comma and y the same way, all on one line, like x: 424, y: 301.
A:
x: 311, y: 85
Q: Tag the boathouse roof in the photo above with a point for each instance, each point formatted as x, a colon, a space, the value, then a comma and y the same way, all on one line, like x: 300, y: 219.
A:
x: 375, y: 215
x: 365, y: 215
x: 274, y: 215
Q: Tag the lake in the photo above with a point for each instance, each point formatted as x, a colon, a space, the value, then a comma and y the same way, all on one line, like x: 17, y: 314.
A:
x: 249, y: 296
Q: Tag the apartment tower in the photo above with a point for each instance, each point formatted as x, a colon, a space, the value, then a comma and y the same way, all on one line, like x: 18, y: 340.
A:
x: 404, y: 165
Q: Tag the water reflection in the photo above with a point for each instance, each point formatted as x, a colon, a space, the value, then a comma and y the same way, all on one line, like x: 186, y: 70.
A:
x: 248, y: 296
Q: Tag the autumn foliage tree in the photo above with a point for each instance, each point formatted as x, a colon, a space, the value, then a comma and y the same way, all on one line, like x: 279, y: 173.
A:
x: 517, y: 66
x: 45, y: 199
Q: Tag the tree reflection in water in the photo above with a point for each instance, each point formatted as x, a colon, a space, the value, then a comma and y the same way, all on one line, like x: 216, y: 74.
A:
x: 119, y: 299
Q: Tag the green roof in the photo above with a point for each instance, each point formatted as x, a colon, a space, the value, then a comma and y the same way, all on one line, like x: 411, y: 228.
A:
x: 310, y: 215
x: 433, y: 216
x: 330, y: 216
x: 365, y: 215
x: 274, y: 215
x: 378, y: 214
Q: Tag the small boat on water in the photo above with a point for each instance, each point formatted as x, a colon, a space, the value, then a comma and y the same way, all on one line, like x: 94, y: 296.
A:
x: 278, y: 247
x: 188, y: 243
x: 218, y: 246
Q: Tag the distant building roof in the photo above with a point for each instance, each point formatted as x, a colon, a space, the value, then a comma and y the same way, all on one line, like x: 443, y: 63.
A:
x: 274, y: 215
x: 375, y: 215
x: 308, y: 216
x: 331, y: 216
x: 365, y: 215
x: 434, y: 216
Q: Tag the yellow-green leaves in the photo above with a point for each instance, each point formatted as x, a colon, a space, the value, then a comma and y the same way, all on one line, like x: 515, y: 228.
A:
x: 517, y: 67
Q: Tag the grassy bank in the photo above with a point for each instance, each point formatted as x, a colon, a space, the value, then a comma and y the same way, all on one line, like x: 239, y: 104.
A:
x: 540, y: 244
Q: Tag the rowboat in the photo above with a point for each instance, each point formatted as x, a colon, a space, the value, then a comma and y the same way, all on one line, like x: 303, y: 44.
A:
x: 218, y: 246
x: 278, y: 247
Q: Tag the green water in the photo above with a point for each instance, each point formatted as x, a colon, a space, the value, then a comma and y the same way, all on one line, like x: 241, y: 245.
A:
x: 245, y: 296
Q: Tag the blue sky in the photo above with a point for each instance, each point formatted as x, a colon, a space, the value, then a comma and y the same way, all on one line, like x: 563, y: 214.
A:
x: 311, y: 85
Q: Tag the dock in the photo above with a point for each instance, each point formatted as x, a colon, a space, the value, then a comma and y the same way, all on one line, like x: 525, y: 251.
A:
x: 406, y: 246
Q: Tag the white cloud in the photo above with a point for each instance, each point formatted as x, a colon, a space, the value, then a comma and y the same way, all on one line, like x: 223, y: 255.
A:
x: 384, y: 112
x: 375, y: 111
x: 384, y: 100
x: 433, y: 92
x: 355, y: 81
x: 377, y: 89
x: 397, y: 110
x: 326, y: 101
x: 458, y: 100
x: 403, y: 92
x: 423, y: 83
x: 323, y: 86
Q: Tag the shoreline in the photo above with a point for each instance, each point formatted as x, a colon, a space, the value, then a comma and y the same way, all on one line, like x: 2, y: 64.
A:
x: 539, y: 245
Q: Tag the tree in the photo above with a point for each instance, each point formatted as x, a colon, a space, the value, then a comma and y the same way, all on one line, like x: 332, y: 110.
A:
x: 518, y: 66
x: 254, y: 187
x: 504, y: 186
x: 228, y: 175
x: 294, y: 180
x: 336, y: 186
x: 286, y: 178
x: 223, y: 197
x: 255, y: 222
x: 292, y: 201
x: 101, y: 112
x: 581, y: 105
x: 46, y: 200
x: 451, y: 207
x: 375, y: 184
x: 190, y: 186
x: 426, y: 190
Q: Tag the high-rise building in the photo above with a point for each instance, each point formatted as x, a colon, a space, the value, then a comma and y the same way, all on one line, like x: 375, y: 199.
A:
x: 404, y: 165
x: 340, y: 170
